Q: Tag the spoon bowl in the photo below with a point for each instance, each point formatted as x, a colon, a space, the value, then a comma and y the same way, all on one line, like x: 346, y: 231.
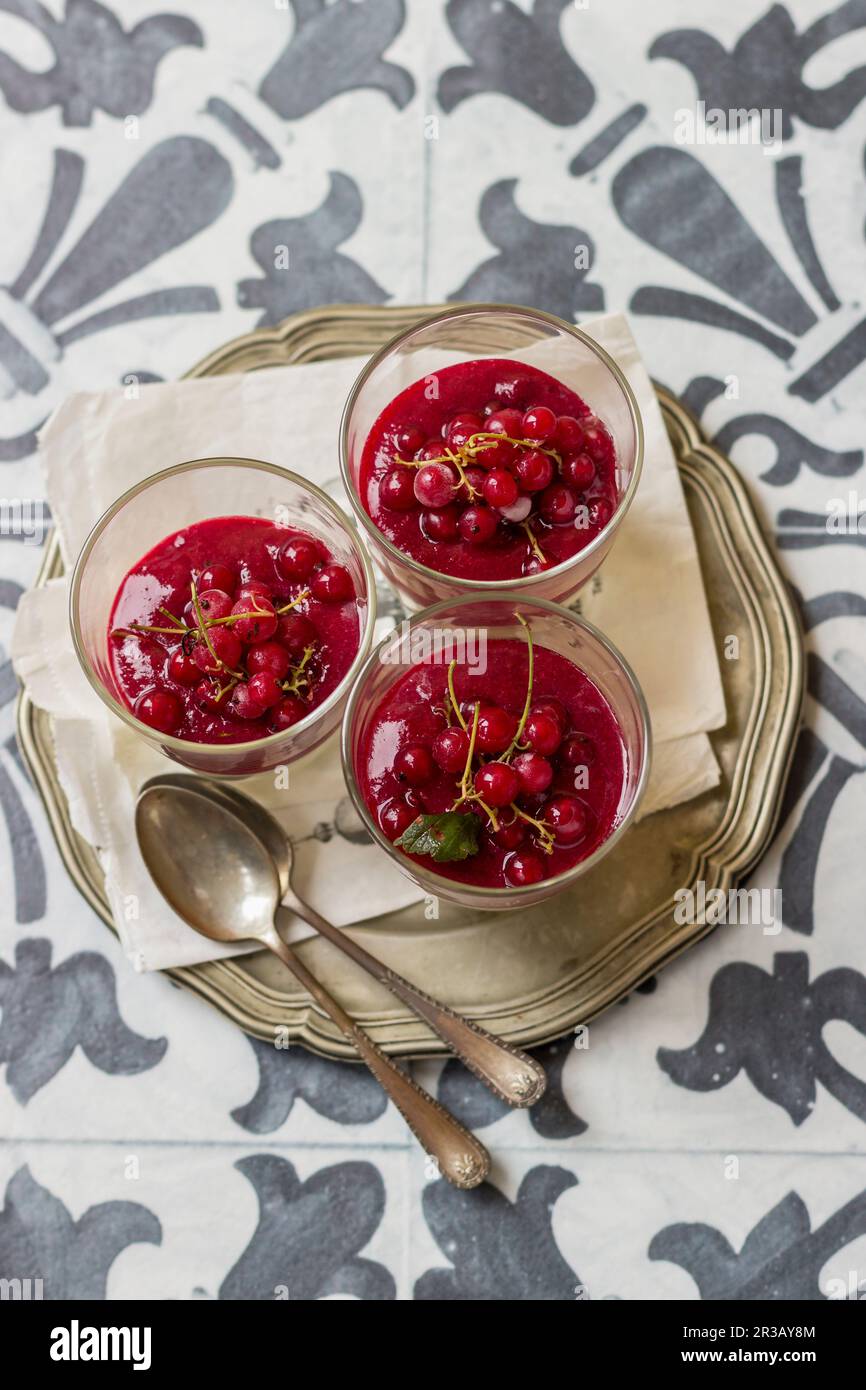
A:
x: 211, y: 869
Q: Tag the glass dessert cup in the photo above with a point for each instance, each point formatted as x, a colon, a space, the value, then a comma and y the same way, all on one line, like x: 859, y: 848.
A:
x: 469, y: 333
x: 493, y: 615
x: 176, y: 498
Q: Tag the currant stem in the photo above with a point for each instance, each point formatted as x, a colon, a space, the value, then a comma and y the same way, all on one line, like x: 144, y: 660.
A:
x: 467, y: 767
x: 530, y: 681
x: 544, y: 831
x: 533, y: 542
x: 224, y: 689
x: 488, y: 437
x: 454, y: 458
x: 293, y: 603
x: 197, y: 609
x: 135, y: 628
x: 298, y: 679
x: 172, y: 619
x: 453, y: 698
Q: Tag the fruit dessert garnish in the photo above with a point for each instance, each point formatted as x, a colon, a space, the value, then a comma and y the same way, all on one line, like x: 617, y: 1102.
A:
x: 498, y: 472
x: 232, y: 629
x: 489, y: 777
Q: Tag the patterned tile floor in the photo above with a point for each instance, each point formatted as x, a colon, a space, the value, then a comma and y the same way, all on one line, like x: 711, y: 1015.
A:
x: 709, y: 1143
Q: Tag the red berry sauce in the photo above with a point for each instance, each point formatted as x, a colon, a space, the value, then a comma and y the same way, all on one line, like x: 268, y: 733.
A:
x: 495, y: 509
x: 257, y: 670
x: 413, y: 760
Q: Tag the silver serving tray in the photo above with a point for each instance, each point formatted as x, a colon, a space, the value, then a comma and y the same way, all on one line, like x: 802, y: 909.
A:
x: 536, y: 975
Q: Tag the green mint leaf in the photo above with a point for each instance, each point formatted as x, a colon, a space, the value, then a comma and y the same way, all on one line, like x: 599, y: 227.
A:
x: 446, y: 837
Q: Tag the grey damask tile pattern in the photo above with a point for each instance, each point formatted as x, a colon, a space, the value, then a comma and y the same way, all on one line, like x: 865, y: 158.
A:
x: 171, y: 179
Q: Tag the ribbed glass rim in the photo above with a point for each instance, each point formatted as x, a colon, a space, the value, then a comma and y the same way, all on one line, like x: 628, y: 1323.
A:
x: 525, y: 582
x: 448, y: 606
x: 170, y: 740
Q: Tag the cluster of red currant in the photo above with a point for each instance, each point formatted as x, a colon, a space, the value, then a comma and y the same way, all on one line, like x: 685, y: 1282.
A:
x: 236, y: 648
x: 507, y: 467
x: 514, y: 770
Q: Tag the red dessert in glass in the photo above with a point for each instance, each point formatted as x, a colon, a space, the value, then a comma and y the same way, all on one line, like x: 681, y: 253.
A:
x: 500, y: 472
x: 232, y: 629
x: 501, y: 777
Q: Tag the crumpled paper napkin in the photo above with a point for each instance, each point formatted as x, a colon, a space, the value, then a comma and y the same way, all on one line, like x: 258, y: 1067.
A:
x: 648, y: 598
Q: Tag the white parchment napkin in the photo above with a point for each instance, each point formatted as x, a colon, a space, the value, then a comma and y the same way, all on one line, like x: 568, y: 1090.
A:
x: 648, y: 598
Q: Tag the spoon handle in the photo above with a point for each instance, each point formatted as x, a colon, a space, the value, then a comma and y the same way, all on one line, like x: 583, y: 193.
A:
x: 512, y: 1075
x: 460, y: 1157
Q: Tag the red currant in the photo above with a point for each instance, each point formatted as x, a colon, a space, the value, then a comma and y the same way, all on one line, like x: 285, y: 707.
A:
x: 395, y: 817
x: 568, y: 436
x: 257, y: 621
x: 209, y: 695
x: 450, y: 749
x: 524, y: 868
x: 578, y: 470
x: 506, y: 421
x: 397, y: 489
x: 597, y: 442
x: 600, y: 511
x: 296, y: 632
x: 534, y: 772
x: 477, y: 525
x: 159, y: 709
x: 409, y: 440
x: 216, y: 577
x: 534, y: 470
x: 440, y: 525
x: 567, y: 819
x: 557, y: 504
x: 243, y: 704
x: 222, y: 649
x: 269, y: 656
x: 542, y: 733
x: 333, y: 584
x: 433, y: 449
x: 253, y: 586
x: 289, y: 711
x: 414, y: 765
x: 435, y: 484
x: 501, y: 451
x: 265, y: 689
x: 577, y: 751
x: 298, y: 558
x: 496, y: 729
x: 474, y: 477
x: 510, y: 833
x: 538, y: 423
x: 554, y: 708
x: 182, y: 668
x: 500, y: 489
x: 497, y: 784
x: 215, y: 603
x: 461, y: 429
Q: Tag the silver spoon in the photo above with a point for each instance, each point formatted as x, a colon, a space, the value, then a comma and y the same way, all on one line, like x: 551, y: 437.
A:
x: 219, y: 877
x: 512, y: 1075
